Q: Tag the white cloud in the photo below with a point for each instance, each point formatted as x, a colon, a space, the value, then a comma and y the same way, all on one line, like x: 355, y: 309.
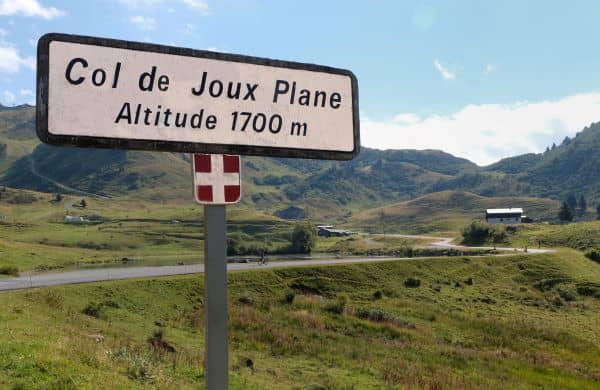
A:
x: 11, y: 61
x: 8, y: 98
x: 489, y: 68
x: 446, y: 74
x: 197, y: 5
x: 485, y: 133
x: 28, y: 96
x: 28, y: 8
x: 145, y: 23
x: 407, y: 118
x: 189, y: 28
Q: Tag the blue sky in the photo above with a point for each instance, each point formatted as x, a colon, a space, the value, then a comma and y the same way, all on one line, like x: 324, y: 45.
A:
x: 480, y: 80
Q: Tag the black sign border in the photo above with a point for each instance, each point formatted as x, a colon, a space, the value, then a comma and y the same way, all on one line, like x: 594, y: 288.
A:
x: 178, y: 146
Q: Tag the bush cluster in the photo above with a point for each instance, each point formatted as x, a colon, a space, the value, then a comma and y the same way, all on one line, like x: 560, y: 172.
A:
x: 382, y: 316
x: 593, y: 254
x: 412, y: 282
x: 9, y: 270
x: 94, y: 309
x: 478, y: 232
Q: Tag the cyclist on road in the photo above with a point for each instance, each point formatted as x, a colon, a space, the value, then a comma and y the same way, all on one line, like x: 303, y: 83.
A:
x: 263, y: 257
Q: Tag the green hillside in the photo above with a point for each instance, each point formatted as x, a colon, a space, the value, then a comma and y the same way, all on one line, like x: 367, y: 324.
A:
x: 471, y: 322
x: 515, y: 164
x: 446, y: 211
x: 17, y: 134
x: 323, y: 189
x: 574, y: 166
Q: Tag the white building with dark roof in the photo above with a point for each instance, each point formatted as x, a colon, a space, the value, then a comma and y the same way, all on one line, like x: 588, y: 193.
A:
x: 508, y: 216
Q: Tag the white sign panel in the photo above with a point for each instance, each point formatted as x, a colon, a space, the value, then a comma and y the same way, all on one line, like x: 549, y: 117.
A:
x: 105, y: 93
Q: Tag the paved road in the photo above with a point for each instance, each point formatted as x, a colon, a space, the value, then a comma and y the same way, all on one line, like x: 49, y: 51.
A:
x: 446, y: 242
x: 103, y: 274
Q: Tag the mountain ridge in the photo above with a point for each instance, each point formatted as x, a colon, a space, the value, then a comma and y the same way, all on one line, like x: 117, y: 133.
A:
x: 373, y: 179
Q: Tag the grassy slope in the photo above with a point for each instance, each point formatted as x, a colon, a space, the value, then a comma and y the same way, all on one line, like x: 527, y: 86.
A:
x: 581, y: 235
x: 446, y: 211
x: 502, y: 331
x: 17, y: 132
x: 33, y: 236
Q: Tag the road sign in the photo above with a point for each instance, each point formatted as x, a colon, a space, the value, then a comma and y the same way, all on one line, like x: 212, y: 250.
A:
x: 95, y: 92
x: 217, y: 178
x: 105, y: 93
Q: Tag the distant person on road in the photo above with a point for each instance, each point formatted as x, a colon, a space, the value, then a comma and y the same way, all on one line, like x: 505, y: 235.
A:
x: 263, y: 257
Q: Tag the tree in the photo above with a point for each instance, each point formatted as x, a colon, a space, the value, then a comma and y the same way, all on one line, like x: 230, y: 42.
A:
x: 582, y: 206
x: 598, y: 211
x: 572, y: 202
x: 58, y: 197
x: 565, y: 214
x: 303, y: 237
x: 83, y: 203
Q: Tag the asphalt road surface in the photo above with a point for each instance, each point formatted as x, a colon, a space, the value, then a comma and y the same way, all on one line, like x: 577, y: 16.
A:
x: 104, y: 274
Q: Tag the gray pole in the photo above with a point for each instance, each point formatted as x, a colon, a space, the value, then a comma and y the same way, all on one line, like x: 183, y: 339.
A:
x: 215, y: 296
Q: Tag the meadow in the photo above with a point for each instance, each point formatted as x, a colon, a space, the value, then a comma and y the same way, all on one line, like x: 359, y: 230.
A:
x: 580, y: 235
x: 519, y: 321
x: 35, y: 237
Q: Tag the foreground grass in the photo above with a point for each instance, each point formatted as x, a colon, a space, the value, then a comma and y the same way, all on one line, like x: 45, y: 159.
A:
x: 505, y: 322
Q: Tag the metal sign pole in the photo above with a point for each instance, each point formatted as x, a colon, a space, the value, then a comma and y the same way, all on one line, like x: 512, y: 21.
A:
x: 215, y: 296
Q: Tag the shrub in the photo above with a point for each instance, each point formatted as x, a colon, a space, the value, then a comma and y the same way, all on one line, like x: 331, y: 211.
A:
x: 112, y: 304
x: 593, y: 254
x: 412, y: 283
x: 157, y: 340
x: 377, y: 294
x: 475, y: 232
x: 380, y: 315
x: 478, y: 232
x: 9, y: 270
x: 246, y: 300
x: 289, y: 297
x: 303, y: 237
x: 588, y: 290
x: 94, y: 309
x: 567, y: 295
x: 336, y: 307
